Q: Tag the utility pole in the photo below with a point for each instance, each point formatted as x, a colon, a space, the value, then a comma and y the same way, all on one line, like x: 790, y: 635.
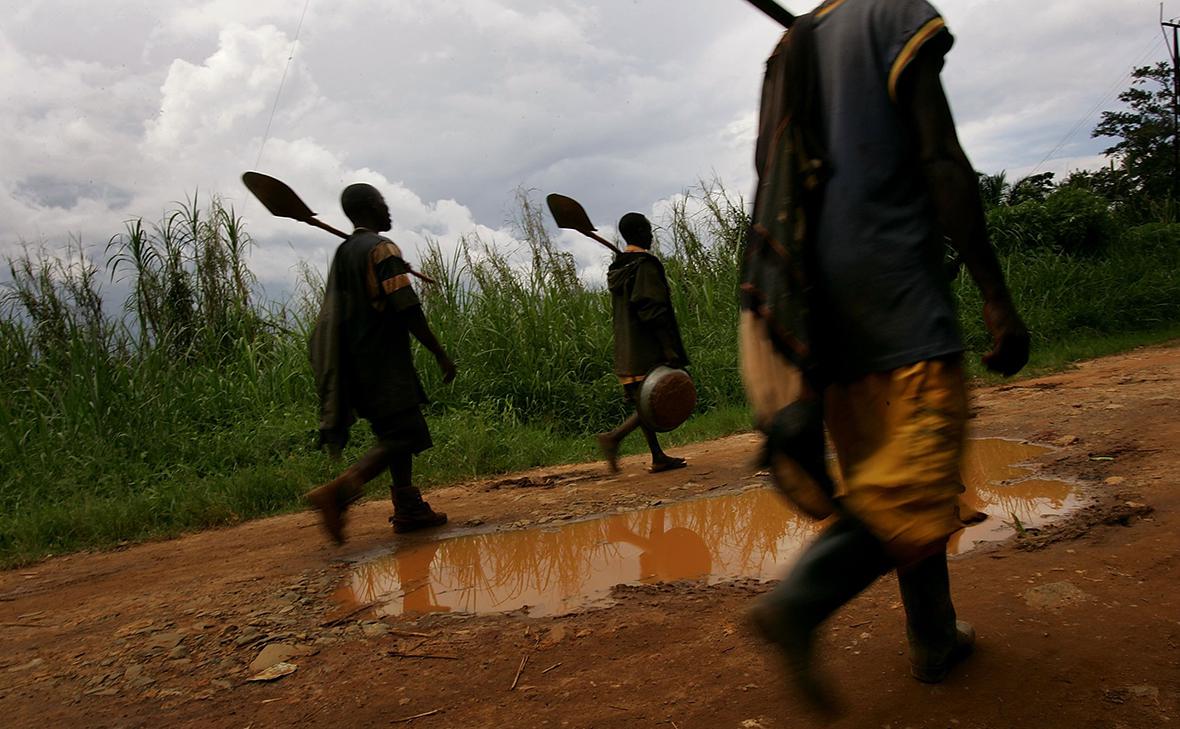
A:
x: 1175, y: 103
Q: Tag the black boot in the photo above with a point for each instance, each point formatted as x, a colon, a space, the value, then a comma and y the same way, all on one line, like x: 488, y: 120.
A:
x: 411, y: 512
x: 837, y: 566
x: 937, y: 640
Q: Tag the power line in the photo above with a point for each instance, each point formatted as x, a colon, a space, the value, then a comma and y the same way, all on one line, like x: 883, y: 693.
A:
x: 1101, y: 102
x: 282, y: 81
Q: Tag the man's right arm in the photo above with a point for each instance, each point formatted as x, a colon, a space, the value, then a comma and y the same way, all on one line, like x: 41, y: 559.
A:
x: 390, y: 274
x: 415, y: 320
x: 954, y: 190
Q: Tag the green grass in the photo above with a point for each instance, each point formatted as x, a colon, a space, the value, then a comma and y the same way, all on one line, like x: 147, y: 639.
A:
x: 196, y: 409
x: 466, y: 446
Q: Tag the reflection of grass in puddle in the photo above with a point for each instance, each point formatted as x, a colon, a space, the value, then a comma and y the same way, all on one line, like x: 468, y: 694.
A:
x: 510, y: 565
x: 739, y: 535
x: 725, y: 537
x: 745, y: 530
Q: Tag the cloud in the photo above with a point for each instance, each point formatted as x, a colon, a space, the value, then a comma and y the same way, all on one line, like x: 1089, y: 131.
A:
x: 209, y: 105
x: 110, y: 112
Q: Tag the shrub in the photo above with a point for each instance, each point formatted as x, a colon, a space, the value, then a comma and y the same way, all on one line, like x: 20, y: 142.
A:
x: 1070, y: 220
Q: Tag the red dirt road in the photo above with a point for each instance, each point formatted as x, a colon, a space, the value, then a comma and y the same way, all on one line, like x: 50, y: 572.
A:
x: 1079, y: 624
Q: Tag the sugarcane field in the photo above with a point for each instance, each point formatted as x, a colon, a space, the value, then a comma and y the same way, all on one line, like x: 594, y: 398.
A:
x: 584, y: 364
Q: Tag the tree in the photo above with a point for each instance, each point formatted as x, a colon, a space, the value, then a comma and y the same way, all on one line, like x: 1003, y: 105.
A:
x: 1144, y: 130
x: 996, y: 191
x: 993, y: 189
x: 1033, y: 187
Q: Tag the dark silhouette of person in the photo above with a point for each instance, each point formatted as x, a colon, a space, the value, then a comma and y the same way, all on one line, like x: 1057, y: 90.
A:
x: 363, y: 365
x: 646, y: 334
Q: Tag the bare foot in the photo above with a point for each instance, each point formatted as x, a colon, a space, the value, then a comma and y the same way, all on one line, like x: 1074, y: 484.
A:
x: 610, y: 451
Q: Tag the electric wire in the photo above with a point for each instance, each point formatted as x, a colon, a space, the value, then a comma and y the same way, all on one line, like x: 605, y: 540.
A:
x: 283, y: 80
x: 1114, y: 88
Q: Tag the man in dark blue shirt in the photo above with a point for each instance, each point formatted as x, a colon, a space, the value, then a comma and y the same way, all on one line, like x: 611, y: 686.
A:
x: 884, y: 334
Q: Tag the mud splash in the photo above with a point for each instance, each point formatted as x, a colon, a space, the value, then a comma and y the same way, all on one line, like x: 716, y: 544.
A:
x: 553, y: 571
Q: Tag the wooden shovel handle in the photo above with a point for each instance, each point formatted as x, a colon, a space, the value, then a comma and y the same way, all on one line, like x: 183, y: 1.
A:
x: 336, y: 231
x: 594, y: 236
x: 777, y: 12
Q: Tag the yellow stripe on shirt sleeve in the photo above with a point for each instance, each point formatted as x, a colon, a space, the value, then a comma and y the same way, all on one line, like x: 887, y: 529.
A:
x: 397, y: 283
x: 383, y: 250
x: 910, y: 52
x: 828, y: 7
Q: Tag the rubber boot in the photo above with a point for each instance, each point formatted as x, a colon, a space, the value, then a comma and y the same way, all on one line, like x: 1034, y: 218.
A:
x: 937, y: 640
x: 836, y: 567
x: 411, y: 512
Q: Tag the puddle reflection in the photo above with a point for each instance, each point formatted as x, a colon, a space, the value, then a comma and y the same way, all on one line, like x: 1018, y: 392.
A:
x: 752, y: 534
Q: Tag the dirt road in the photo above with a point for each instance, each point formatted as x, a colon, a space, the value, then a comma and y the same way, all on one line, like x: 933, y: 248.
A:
x: 1079, y: 622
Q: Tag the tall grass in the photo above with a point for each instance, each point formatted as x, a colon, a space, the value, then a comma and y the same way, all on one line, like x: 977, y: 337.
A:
x: 193, y: 406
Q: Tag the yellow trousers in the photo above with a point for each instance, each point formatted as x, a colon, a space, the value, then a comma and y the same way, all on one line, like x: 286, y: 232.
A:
x: 899, y: 439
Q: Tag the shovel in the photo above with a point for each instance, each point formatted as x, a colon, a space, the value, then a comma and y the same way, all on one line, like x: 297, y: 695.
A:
x: 282, y: 202
x: 568, y: 213
x: 775, y: 11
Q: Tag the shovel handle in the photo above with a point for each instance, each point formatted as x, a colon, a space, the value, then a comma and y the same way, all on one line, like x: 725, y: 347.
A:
x: 317, y: 223
x: 776, y: 12
x: 594, y: 236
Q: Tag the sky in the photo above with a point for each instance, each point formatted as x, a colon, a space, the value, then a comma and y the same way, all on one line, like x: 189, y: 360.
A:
x: 112, y: 110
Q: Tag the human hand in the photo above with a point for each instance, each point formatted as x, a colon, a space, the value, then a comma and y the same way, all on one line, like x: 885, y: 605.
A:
x: 1010, y: 340
x: 447, y: 366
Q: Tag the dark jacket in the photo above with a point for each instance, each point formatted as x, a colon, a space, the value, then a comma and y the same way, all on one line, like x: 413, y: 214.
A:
x: 360, y: 348
x: 646, y: 333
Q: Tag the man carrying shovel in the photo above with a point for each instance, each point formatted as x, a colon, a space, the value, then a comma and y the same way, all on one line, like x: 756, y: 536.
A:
x: 361, y: 355
x: 646, y: 333
x: 884, y: 327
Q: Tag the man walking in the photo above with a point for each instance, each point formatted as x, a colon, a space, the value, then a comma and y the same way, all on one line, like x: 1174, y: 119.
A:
x: 896, y: 184
x: 646, y: 333
x: 362, y: 360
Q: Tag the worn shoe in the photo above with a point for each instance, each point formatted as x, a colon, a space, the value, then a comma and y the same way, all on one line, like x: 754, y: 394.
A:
x: 411, y: 512
x: 332, y: 501
x: 411, y: 520
x: 928, y: 671
x: 795, y: 649
x: 667, y: 464
x: 610, y: 451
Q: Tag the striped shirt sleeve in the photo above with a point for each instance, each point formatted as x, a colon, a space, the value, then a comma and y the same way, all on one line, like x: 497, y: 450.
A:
x: 389, y: 278
x: 911, y: 26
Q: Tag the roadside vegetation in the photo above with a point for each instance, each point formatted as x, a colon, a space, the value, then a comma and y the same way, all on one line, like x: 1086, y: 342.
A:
x: 194, y: 406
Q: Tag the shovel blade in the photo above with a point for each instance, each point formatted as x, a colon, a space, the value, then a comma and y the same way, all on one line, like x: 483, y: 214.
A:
x: 569, y: 213
x: 278, y: 198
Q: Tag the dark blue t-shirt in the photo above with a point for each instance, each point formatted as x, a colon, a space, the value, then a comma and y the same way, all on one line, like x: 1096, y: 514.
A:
x: 885, y: 300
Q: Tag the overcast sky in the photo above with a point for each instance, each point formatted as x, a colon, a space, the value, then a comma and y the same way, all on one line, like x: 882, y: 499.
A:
x: 110, y: 110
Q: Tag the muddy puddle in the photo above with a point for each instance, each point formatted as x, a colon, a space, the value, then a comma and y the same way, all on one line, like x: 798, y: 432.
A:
x: 558, y: 570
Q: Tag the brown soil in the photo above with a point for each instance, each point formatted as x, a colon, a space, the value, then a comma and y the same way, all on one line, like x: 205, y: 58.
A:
x: 1079, y: 623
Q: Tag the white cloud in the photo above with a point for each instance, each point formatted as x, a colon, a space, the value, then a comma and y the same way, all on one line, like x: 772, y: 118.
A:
x: 210, y: 104
x: 113, y: 111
